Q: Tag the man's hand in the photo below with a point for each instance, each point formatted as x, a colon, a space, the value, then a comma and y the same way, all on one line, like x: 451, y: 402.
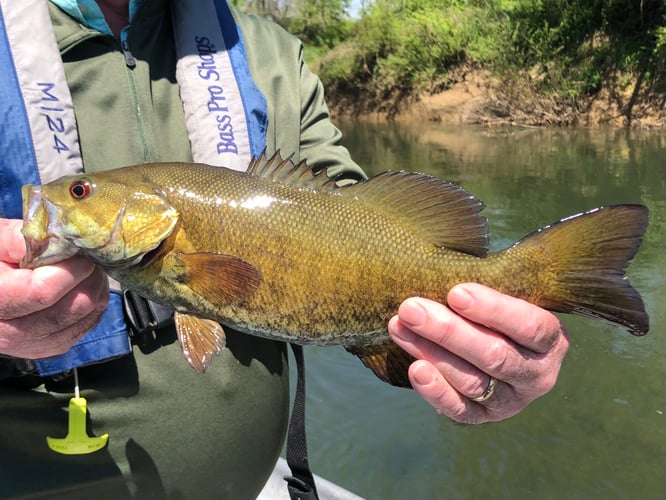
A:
x: 44, y: 311
x: 481, y: 334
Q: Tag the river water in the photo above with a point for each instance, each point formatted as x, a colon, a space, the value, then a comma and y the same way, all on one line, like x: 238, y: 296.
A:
x: 601, y: 433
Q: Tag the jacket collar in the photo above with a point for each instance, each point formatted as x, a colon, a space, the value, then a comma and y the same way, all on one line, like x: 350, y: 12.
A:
x: 74, y: 21
x: 88, y: 13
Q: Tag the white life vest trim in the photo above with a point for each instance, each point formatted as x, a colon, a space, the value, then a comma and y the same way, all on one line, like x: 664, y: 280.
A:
x: 41, y: 76
x: 214, y: 113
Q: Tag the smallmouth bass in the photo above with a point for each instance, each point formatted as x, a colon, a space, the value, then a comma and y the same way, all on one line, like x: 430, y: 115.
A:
x: 284, y: 253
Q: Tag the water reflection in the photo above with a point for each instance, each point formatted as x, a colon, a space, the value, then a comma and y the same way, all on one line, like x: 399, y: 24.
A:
x: 602, y: 432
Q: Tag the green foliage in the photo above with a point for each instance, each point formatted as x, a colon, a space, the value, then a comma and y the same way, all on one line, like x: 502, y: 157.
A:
x: 560, y: 48
x: 323, y: 23
x: 658, y: 58
x: 575, y: 44
x: 401, y: 47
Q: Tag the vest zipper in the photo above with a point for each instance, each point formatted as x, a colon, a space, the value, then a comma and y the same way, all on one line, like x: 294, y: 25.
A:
x: 130, y: 63
x: 124, y: 46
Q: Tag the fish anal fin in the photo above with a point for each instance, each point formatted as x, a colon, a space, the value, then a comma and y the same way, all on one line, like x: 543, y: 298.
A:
x: 218, y: 278
x: 388, y: 361
x: 437, y: 211
x: 200, y: 339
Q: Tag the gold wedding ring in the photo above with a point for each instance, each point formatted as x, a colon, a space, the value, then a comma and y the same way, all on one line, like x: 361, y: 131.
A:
x: 488, y: 393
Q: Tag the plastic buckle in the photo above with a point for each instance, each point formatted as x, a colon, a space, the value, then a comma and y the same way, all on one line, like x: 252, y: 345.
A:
x: 145, y: 319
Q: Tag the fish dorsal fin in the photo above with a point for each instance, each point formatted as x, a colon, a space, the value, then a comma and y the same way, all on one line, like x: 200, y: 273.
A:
x: 284, y: 171
x: 439, y: 212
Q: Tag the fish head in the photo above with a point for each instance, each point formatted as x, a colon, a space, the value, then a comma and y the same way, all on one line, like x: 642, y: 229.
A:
x: 104, y: 218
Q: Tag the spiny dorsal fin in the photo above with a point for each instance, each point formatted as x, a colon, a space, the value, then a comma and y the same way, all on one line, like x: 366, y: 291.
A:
x: 286, y: 172
x: 440, y: 212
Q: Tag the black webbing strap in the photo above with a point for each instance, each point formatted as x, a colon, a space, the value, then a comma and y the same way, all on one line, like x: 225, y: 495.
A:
x: 145, y: 319
x: 301, y: 484
x: 11, y: 367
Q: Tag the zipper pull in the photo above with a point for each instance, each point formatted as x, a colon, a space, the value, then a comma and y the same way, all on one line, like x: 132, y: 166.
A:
x: 124, y: 45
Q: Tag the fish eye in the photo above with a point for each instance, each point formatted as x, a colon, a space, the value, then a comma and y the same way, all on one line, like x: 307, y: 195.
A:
x: 79, y: 189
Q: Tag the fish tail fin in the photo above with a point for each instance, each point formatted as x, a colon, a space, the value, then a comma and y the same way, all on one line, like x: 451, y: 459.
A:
x: 582, y: 262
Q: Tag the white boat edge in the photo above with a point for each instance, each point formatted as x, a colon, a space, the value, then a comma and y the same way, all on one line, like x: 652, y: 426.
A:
x: 276, y: 487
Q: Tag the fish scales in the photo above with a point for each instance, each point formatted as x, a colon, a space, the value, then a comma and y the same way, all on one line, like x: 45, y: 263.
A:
x: 287, y: 254
x: 312, y: 270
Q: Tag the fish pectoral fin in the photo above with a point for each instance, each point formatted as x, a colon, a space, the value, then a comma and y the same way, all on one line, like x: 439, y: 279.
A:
x: 199, y: 339
x: 388, y: 361
x: 218, y: 278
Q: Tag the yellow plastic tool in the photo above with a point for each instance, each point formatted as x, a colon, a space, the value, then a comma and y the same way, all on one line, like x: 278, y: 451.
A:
x: 77, y: 441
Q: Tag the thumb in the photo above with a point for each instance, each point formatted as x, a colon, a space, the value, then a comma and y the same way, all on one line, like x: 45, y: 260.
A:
x: 12, y: 244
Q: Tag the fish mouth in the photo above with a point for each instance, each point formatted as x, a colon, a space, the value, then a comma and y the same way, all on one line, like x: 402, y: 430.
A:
x: 33, y: 249
x: 42, y: 224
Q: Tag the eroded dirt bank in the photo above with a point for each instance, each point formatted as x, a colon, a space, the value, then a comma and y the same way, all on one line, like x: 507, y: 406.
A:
x: 473, y: 97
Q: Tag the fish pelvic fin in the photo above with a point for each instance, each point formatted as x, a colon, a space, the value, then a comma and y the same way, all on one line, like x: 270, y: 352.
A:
x: 387, y: 360
x: 200, y: 339
x: 582, y: 262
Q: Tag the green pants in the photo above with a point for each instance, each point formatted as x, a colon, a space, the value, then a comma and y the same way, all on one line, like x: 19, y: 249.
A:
x: 173, y: 433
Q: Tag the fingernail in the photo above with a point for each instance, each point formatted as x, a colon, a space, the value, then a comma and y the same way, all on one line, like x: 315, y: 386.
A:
x: 459, y: 297
x: 423, y: 375
x: 412, y: 312
x: 398, y: 331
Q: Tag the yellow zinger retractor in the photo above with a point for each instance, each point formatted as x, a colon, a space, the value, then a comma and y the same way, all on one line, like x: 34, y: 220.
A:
x: 77, y: 441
